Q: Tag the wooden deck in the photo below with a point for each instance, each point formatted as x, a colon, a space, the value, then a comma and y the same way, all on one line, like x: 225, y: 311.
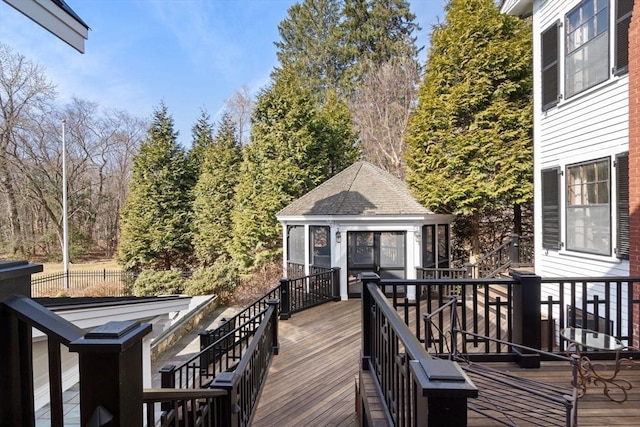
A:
x: 312, y: 381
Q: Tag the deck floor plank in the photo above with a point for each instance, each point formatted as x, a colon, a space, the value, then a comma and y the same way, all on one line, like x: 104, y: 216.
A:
x: 311, y: 381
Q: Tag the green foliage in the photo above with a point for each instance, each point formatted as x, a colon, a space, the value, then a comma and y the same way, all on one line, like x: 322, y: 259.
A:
x: 156, y: 218
x: 219, y: 279
x: 202, y: 133
x: 214, y: 193
x: 295, y: 147
x: 469, y: 144
x: 376, y: 32
x: 151, y: 283
x: 311, y: 44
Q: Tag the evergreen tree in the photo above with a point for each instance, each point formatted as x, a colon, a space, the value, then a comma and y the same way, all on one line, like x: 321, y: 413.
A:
x: 202, y: 133
x: 295, y: 146
x: 470, y: 139
x: 312, y: 45
x: 376, y: 32
x: 155, y: 220
x: 214, y: 194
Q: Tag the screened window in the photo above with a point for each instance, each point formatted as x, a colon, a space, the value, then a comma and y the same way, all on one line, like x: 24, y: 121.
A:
x: 295, y: 244
x: 320, y: 246
x: 587, y: 46
x: 588, y: 207
x: 551, y: 208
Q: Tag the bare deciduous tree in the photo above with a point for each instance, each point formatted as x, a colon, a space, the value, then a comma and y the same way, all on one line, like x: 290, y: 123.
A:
x: 23, y: 89
x: 381, y: 107
x: 240, y: 107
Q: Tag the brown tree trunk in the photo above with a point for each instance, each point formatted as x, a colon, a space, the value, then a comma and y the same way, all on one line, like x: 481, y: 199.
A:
x: 517, y: 219
x: 12, y: 209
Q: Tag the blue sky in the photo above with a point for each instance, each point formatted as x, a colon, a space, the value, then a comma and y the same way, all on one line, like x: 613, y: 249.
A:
x: 191, y: 54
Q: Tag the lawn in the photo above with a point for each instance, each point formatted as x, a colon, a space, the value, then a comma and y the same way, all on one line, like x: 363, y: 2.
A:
x: 102, y: 264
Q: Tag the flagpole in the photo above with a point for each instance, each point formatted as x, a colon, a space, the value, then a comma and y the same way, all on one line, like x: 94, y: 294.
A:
x: 65, y: 222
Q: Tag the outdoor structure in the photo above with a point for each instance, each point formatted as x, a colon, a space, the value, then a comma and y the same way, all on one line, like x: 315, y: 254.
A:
x: 57, y: 17
x: 363, y: 220
x: 586, y: 138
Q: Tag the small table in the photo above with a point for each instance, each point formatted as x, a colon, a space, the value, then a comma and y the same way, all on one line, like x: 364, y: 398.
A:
x: 597, y: 372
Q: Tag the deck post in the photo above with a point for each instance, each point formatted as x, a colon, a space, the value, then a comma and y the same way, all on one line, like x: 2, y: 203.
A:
x: 110, y: 365
x: 285, y: 299
x: 16, y: 375
x: 367, y: 302
x: 274, y: 330
x: 515, y: 250
x: 229, y: 408
x: 335, y: 278
x: 526, y: 318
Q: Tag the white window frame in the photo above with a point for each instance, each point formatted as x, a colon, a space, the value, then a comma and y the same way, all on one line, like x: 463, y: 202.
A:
x: 587, y: 46
x: 588, y: 207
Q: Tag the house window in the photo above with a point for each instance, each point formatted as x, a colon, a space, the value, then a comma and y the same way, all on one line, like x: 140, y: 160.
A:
x: 588, y: 208
x: 550, y: 69
x: 587, y: 46
x: 551, y: 208
x: 622, y: 206
x: 623, y: 19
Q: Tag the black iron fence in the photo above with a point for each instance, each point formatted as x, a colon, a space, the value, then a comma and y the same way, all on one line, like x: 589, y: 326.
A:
x: 99, y: 283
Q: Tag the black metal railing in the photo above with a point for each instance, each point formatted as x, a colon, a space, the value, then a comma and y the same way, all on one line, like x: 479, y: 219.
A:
x: 408, y: 380
x: 229, y: 398
x: 512, y: 310
x: 244, y: 383
x: 105, y: 282
x: 220, y: 349
x: 309, y: 291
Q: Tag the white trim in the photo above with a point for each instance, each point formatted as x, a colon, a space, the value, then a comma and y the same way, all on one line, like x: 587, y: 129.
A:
x: 53, y: 19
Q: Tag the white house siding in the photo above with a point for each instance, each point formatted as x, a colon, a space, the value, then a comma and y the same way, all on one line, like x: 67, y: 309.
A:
x: 588, y: 126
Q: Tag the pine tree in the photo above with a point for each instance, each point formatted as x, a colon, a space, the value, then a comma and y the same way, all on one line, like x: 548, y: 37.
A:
x: 155, y: 220
x: 376, y: 32
x: 470, y: 139
x: 214, y: 193
x: 311, y: 44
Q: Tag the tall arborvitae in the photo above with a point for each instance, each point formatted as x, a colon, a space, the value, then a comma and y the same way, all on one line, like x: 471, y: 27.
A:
x: 214, y: 193
x: 155, y: 220
x: 470, y: 139
x: 202, y: 133
x: 295, y: 147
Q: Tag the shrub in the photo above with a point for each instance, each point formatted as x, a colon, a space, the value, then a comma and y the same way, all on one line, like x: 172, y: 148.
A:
x: 219, y: 279
x: 151, y: 282
x: 256, y: 285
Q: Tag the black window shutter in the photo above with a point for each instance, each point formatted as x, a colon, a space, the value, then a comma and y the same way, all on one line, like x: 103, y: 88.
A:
x: 551, y: 208
x: 623, y: 19
x: 622, y: 204
x: 550, y: 69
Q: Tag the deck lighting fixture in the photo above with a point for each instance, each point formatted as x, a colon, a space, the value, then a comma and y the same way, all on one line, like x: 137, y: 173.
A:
x: 338, y: 237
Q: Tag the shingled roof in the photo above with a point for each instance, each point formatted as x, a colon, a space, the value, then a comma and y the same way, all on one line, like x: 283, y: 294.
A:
x: 360, y: 189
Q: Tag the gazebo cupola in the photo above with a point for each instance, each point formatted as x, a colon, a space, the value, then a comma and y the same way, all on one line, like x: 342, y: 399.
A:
x: 363, y: 220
